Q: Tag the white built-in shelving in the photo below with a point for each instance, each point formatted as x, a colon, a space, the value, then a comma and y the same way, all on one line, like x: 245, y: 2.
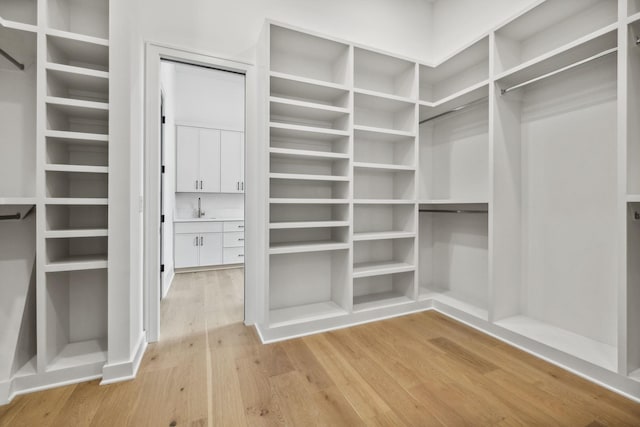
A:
x: 458, y: 186
x: 64, y: 84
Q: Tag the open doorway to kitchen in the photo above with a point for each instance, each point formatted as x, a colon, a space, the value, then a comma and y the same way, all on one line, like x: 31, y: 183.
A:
x: 198, y: 195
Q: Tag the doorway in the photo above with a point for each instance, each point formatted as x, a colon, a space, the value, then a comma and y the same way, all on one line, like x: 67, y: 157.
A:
x: 202, y: 131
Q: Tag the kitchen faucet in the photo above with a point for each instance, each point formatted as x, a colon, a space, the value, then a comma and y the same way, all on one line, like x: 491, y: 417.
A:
x: 200, y: 211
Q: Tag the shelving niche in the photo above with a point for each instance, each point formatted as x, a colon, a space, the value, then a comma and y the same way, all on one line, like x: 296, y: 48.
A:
x: 384, y: 75
x: 22, y: 11
x: 454, y: 257
x: 325, y: 294
x: 454, y: 156
x: 543, y: 126
x: 90, y: 18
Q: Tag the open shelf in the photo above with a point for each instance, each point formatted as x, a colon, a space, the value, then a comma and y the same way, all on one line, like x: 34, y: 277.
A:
x: 305, y: 313
x: 454, y: 103
x: 300, y: 54
x: 321, y: 188
x: 382, y: 235
x: 457, y: 74
x: 385, y: 74
x: 307, y: 177
x: 90, y: 18
x: 81, y: 52
x: 383, y: 184
x: 306, y: 90
x: 454, y: 155
x: 62, y: 220
x: 376, y: 292
x: 300, y: 240
x: 72, y: 156
x: 76, y: 319
x: 77, y: 116
x: 301, y: 215
x: 75, y: 254
x: 294, y: 201
x: 77, y: 83
x: 549, y: 26
x: 382, y: 134
x: 599, y: 42
x: 70, y: 137
x: 308, y: 286
x: 309, y: 168
x: 289, y: 153
x: 597, y: 353
x: 383, y: 221
x: 633, y: 8
x: 370, y: 269
x: 303, y: 113
x: 387, y: 114
x: 304, y: 140
x: 377, y: 149
x: 76, y: 185
x: 22, y: 11
x: 383, y: 257
x: 307, y: 224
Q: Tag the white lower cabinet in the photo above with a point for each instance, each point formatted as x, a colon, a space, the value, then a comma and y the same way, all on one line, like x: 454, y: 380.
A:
x: 203, y: 244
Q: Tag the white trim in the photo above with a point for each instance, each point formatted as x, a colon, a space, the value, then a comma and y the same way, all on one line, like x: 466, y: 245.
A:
x: 116, y: 372
x: 154, y: 52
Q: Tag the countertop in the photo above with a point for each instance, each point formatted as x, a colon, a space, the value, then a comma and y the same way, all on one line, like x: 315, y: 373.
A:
x: 207, y: 219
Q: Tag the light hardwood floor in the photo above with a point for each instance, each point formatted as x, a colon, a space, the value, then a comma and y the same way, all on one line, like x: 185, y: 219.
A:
x: 419, y: 370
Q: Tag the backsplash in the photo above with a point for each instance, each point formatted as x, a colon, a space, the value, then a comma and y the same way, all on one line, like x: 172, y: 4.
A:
x: 214, y: 205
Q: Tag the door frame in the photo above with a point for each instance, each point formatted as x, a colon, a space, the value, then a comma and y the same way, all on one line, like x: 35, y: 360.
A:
x: 154, y: 53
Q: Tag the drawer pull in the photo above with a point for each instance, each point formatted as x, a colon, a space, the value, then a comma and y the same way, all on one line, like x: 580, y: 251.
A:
x: 241, y: 255
x: 240, y: 240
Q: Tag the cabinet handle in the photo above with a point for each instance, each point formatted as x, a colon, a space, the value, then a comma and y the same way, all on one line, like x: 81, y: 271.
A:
x: 238, y: 185
x: 241, y: 255
x: 196, y: 184
x: 196, y: 241
x: 201, y: 185
x: 242, y: 186
x: 201, y: 241
x: 241, y: 226
x: 240, y: 240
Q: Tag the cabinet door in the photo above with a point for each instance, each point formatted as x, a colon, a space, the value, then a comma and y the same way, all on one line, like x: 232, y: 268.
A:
x: 232, y: 162
x: 209, y: 161
x: 185, y: 250
x: 187, y: 153
x: 210, y: 249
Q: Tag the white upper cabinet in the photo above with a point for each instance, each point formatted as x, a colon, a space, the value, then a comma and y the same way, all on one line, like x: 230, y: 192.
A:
x: 232, y: 162
x: 209, y: 160
x: 188, y: 152
x: 198, y: 160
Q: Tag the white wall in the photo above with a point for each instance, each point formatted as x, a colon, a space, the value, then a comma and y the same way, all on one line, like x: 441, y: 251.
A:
x: 454, y: 23
x: 231, y: 28
x: 167, y: 82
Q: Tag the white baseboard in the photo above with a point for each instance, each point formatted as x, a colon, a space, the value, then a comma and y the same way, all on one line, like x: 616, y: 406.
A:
x: 117, y: 372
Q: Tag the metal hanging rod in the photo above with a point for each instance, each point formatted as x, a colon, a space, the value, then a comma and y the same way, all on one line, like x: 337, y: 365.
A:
x: 456, y: 211
x: 11, y: 59
x: 17, y: 215
x: 560, y: 70
x: 455, y: 110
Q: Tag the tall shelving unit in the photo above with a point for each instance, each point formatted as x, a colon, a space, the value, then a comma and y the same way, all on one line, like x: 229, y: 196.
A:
x: 69, y: 163
x: 499, y: 186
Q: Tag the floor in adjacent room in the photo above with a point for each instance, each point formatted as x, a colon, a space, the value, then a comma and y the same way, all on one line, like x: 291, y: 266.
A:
x: 424, y: 369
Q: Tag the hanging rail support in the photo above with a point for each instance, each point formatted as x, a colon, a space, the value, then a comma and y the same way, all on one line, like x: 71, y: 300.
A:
x: 454, y: 110
x: 456, y: 211
x: 560, y: 70
x: 29, y: 212
x: 11, y: 59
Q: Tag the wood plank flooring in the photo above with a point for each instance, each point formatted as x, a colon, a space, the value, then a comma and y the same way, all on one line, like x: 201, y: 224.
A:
x: 419, y: 370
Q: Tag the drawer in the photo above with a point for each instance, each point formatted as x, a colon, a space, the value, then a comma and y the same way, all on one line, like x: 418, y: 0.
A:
x: 234, y: 240
x: 198, y: 227
x: 234, y: 226
x: 234, y: 255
